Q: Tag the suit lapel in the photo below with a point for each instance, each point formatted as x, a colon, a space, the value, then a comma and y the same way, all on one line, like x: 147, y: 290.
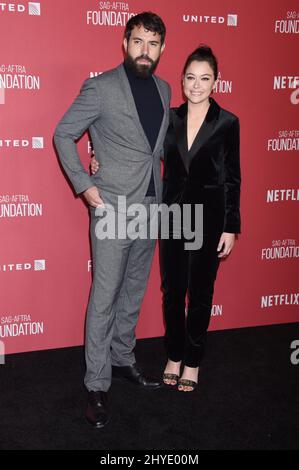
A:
x: 164, y: 123
x: 203, y: 135
x: 180, y: 129
x: 132, y: 105
x: 205, y: 130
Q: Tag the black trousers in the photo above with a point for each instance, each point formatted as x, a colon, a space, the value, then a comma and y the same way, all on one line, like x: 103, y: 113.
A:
x: 188, y: 272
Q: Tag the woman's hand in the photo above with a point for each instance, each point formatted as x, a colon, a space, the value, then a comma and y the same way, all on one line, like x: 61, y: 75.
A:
x: 226, y: 243
x: 94, y: 165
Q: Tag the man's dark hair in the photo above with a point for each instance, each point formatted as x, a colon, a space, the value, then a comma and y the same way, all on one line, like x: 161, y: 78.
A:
x: 203, y: 54
x: 149, y: 21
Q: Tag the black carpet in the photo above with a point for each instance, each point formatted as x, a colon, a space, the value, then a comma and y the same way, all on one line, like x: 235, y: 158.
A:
x: 248, y: 399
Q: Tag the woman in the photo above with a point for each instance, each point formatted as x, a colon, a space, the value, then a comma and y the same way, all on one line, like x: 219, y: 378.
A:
x: 201, y: 166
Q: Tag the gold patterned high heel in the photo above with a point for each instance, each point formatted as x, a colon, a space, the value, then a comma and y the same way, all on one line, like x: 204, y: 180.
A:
x: 168, y: 376
x: 187, y: 383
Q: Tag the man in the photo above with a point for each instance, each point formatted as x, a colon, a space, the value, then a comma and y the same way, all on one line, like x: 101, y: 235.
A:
x: 126, y: 111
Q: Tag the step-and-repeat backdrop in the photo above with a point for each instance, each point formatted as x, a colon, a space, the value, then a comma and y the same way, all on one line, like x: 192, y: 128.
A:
x: 48, y: 49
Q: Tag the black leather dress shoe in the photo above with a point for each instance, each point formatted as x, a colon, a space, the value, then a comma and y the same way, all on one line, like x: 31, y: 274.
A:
x: 135, y: 375
x: 96, y: 412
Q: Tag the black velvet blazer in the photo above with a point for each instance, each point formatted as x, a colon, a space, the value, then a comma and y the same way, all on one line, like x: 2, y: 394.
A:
x: 209, y: 173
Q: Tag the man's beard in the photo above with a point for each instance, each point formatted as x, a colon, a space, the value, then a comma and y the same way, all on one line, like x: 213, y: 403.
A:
x: 141, y: 70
